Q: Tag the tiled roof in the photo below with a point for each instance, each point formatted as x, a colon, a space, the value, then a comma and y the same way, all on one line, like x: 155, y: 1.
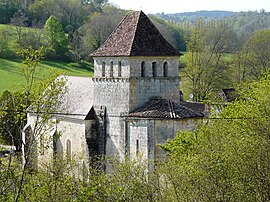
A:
x: 166, y: 109
x: 136, y: 35
x: 78, y: 100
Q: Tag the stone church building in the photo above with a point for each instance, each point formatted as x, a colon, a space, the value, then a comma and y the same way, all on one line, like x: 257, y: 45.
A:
x: 130, y: 106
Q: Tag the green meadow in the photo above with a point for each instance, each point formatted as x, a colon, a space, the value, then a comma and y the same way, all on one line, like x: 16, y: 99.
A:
x: 12, y: 79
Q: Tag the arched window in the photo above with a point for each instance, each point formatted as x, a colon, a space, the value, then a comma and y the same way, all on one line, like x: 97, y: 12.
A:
x: 103, y: 69
x: 119, y: 69
x: 68, y: 149
x: 111, y: 69
x: 143, y: 69
x: 154, y: 69
x: 165, y: 69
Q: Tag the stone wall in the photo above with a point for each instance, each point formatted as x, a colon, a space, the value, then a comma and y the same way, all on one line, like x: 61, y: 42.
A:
x: 123, y: 93
x: 116, y: 138
x: 112, y: 93
x: 141, y: 89
x: 167, y: 129
x: 152, y: 133
x: 75, y: 130
x: 125, y: 67
x: 140, y: 138
x: 136, y: 62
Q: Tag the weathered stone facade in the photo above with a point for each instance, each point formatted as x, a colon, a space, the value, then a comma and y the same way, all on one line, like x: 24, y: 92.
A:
x: 120, y: 86
x: 131, y: 105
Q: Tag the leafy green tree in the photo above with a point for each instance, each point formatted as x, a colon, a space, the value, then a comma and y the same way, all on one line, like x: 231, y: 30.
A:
x: 41, y: 10
x: 39, y: 97
x: 73, y: 13
x: 171, y: 32
x: 76, y: 46
x: 7, y: 9
x: 56, y: 36
x: 12, y: 118
x: 19, y: 20
x: 5, y: 51
x: 226, y: 159
x: 206, y: 64
x: 258, y: 48
x: 97, y: 29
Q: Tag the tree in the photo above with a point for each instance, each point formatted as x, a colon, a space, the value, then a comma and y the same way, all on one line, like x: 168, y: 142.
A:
x: 226, y: 159
x: 7, y: 9
x: 76, y: 45
x: 73, y: 13
x: 98, y: 29
x: 41, y: 10
x: 257, y: 49
x: 39, y: 97
x: 57, y: 39
x: 12, y: 118
x: 19, y: 20
x: 171, y: 33
x: 206, y: 66
x: 5, y: 52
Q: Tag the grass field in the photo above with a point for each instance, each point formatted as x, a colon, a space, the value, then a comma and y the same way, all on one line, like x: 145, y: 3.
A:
x: 12, y: 79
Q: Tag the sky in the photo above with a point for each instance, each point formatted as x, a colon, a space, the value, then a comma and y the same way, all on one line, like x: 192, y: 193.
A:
x: 179, y: 6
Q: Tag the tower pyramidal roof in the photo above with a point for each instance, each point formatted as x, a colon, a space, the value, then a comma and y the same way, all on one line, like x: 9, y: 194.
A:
x: 136, y: 35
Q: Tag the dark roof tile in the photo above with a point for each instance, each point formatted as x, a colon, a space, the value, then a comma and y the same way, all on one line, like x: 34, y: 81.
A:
x: 162, y: 108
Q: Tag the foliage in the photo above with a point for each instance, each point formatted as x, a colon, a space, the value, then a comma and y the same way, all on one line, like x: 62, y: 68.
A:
x: 171, y: 32
x: 206, y: 68
x: 228, y: 158
x: 56, y: 36
x: 39, y: 97
x: 5, y: 51
x: 7, y: 9
x: 97, y: 29
x: 127, y: 181
x: 258, y: 48
x: 12, y: 119
x: 76, y: 46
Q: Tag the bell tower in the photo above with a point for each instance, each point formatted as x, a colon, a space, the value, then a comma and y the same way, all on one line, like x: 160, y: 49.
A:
x: 134, y: 64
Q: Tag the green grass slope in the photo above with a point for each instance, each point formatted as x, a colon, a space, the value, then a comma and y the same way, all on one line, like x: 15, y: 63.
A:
x: 12, y: 79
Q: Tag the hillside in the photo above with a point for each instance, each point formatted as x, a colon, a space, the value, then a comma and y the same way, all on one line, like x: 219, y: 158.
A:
x: 243, y: 23
x: 193, y: 16
x: 12, y: 79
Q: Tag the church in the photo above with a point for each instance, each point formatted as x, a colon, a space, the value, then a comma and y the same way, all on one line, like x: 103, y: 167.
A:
x: 129, y: 107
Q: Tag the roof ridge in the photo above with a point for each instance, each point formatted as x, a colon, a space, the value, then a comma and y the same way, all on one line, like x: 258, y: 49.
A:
x: 135, y: 33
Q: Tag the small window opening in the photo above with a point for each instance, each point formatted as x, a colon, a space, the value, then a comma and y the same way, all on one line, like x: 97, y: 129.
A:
x: 103, y: 69
x: 143, y: 69
x: 154, y: 69
x: 137, y: 147
x: 119, y: 69
x: 111, y: 69
x: 68, y: 149
x: 165, y: 69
